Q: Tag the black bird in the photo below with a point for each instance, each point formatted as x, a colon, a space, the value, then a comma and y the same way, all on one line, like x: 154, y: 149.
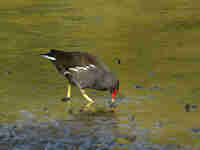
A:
x: 84, y: 71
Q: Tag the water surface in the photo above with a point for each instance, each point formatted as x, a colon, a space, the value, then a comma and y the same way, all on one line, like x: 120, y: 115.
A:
x: 158, y: 47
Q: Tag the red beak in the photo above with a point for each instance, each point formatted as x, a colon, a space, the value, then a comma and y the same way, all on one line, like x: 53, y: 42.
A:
x: 114, y: 94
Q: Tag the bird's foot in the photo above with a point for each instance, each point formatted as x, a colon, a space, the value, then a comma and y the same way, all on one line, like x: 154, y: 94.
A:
x: 113, y: 104
x: 69, y: 104
x: 86, y: 107
x: 113, y: 107
x: 65, y: 99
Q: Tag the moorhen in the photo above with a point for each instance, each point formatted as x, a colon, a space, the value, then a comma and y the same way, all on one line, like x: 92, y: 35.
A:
x: 84, y: 71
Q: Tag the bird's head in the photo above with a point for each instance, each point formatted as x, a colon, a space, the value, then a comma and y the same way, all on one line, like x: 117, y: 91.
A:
x: 50, y: 56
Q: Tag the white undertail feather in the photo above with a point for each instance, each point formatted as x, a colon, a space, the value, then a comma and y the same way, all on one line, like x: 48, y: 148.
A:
x: 73, y: 69
x: 92, y: 65
x: 81, y: 68
x: 87, y: 67
x: 49, y: 57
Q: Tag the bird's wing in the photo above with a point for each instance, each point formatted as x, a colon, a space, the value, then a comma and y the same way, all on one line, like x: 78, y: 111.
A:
x: 85, y: 76
x: 73, y: 59
x: 81, y: 69
x: 91, y: 59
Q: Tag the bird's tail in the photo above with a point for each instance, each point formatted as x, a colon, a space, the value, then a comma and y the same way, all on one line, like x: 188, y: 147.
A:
x: 51, y: 55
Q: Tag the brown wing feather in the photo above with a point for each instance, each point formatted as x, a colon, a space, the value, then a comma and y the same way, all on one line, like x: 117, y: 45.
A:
x: 71, y: 59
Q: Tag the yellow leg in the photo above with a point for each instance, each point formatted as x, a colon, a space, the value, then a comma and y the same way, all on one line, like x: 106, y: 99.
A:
x: 67, y: 98
x: 88, y: 105
x: 90, y: 101
x: 86, y: 96
x: 69, y: 91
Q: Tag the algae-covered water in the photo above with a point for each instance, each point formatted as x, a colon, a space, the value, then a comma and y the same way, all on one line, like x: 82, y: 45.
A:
x: 157, y: 43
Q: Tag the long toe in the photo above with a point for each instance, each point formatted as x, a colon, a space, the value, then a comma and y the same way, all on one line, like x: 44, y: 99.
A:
x: 86, y: 107
x: 113, y: 107
x: 65, y: 99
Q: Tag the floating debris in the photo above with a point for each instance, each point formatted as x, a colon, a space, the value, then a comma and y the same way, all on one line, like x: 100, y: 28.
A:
x: 45, y: 109
x: 9, y: 73
x: 189, y: 107
x: 34, y: 87
x: 194, y: 107
x: 195, y: 131
x: 131, y: 118
x: 117, y: 61
x: 152, y: 74
x: 155, y: 87
x: 158, y: 124
x: 138, y: 86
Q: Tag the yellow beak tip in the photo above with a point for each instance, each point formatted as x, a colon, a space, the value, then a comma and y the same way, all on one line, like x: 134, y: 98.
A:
x: 113, y: 99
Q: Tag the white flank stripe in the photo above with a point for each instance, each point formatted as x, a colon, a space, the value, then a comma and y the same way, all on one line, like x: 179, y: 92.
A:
x: 49, y: 57
x: 77, y: 67
x: 83, y: 68
x: 92, y: 65
x: 80, y: 68
x: 66, y: 72
x: 73, y: 69
x: 87, y: 67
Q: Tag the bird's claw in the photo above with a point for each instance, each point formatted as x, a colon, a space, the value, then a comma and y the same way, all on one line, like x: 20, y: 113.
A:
x: 86, y: 107
x: 113, y: 107
x: 113, y: 104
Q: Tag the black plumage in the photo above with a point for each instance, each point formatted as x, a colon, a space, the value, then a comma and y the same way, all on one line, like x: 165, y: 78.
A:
x: 84, y: 70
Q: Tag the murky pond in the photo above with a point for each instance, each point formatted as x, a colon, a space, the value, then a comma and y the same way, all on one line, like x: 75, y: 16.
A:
x: 153, y: 47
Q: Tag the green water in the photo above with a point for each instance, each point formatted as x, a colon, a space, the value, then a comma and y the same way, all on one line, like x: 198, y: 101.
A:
x: 159, y: 37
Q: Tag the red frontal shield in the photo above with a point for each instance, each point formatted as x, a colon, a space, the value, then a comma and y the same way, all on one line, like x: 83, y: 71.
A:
x: 114, y: 94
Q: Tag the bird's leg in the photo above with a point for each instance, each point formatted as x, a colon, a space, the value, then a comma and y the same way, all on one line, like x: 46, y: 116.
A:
x: 68, y: 93
x: 90, y: 101
x: 86, y: 96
